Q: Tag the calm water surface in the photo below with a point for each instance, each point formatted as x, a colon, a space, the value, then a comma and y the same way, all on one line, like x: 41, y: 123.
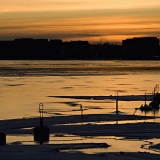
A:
x: 25, y: 84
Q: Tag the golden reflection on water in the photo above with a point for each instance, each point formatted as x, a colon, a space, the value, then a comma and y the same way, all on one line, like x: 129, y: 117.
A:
x: 25, y: 84
x: 20, y: 96
x: 115, y: 143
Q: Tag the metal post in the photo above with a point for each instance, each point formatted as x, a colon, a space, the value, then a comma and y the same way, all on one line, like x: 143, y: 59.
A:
x: 145, y: 99
x: 117, y: 104
x: 145, y: 109
x: 81, y: 109
x: 41, y: 108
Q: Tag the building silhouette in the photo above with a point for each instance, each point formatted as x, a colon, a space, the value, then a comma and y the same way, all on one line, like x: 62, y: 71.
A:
x: 55, y: 49
x: 141, y: 48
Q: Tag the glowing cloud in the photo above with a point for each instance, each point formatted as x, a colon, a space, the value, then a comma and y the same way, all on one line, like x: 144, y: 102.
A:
x: 71, y: 20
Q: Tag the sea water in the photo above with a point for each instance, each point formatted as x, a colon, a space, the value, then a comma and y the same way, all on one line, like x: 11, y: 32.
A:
x: 26, y: 84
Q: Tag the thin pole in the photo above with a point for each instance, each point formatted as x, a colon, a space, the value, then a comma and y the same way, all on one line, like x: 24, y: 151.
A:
x: 81, y: 109
x: 117, y: 104
x: 145, y: 104
x: 145, y: 99
x: 41, y: 108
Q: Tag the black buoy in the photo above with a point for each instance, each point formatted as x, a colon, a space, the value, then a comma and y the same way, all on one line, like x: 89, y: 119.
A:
x: 41, y: 132
x: 155, y: 104
x: 2, y: 138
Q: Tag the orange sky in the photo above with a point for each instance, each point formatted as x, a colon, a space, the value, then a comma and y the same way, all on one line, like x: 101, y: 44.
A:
x: 95, y: 21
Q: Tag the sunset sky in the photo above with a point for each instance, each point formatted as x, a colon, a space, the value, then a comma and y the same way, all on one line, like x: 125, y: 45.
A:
x: 92, y: 20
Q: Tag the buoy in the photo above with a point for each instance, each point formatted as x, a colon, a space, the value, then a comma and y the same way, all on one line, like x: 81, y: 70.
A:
x: 154, y: 104
x: 41, y: 132
x: 2, y: 138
